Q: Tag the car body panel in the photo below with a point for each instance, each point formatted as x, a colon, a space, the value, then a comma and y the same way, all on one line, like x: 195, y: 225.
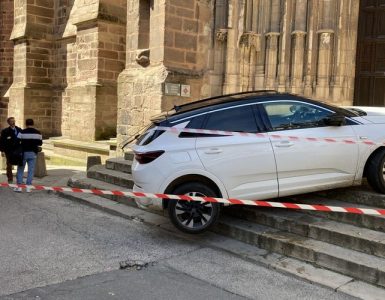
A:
x: 245, y: 165
x: 303, y: 166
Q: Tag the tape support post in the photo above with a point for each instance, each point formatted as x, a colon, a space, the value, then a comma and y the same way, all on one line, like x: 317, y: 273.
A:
x: 285, y: 205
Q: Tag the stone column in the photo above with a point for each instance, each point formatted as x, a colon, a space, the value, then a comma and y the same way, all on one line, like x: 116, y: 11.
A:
x: 271, y: 59
x: 324, y: 68
x: 311, y: 51
x: 297, y: 61
x: 325, y: 47
x: 232, y: 63
x: 298, y: 46
x: 219, y: 44
x: 219, y: 53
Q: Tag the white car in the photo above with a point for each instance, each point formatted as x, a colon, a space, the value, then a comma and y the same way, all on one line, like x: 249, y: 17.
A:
x: 255, y: 168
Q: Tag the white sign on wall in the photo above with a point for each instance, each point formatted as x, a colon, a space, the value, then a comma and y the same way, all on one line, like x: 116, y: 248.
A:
x: 185, y: 90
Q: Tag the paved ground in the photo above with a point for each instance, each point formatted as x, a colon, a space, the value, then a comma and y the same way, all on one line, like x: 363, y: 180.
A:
x: 53, y: 248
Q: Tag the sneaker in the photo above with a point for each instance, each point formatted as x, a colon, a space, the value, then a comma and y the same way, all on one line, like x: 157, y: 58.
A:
x: 28, y: 189
x: 18, y: 189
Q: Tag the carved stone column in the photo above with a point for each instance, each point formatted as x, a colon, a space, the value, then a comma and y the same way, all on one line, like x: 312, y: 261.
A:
x: 298, y: 39
x: 271, y: 59
x: 232, y: 59
x: 250, y: 44
x: 324, y: 70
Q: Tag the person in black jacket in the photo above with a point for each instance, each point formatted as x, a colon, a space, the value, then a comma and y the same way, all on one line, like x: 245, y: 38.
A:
x: 8, y: 144
x: 30, y: 139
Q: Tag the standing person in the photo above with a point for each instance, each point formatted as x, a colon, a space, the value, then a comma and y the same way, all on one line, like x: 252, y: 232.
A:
x: 30, y: 139
x: 8, y: 144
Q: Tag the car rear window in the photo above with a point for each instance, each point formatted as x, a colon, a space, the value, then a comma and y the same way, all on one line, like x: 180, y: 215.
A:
x: 239, y: 119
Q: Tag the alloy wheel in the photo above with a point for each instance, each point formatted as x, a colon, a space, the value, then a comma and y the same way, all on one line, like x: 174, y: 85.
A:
x: 193, y: 214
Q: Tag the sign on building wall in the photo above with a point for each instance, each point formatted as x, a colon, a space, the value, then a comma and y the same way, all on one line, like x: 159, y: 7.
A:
x: 176, y: 89
x: 185, y: 90
x: 171, y: 89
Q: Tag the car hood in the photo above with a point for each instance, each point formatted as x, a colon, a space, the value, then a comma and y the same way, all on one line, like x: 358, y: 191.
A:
x: 370, y: 113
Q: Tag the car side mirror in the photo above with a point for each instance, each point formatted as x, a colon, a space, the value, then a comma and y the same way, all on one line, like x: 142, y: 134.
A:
x: 335, y: 120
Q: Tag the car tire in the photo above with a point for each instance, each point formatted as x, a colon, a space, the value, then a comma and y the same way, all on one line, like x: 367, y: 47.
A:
x: 375, y: 172
x: 192, y: 216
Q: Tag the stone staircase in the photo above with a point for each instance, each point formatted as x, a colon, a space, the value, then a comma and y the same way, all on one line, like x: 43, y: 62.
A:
x: 349, y: 244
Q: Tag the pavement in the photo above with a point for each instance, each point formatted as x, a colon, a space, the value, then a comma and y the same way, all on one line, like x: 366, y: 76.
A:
x: 55, y: 248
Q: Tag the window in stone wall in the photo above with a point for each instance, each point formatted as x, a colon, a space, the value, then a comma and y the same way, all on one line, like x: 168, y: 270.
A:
x: 144, y: 24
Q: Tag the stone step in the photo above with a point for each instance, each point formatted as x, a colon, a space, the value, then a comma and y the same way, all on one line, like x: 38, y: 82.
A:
x: 365, y: 221
x: 340, y: 234
x: 82, y: 182
x: 349, y: 262
x: 78, y: 149
x: 61, y: 160
x: 119, y: 164
x: 129, y: 155
x: 48, y: 145
x: 362, y: 195
x: 99, y: 172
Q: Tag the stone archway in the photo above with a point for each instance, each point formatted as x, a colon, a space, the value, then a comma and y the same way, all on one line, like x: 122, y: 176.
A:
x: 370, y: 66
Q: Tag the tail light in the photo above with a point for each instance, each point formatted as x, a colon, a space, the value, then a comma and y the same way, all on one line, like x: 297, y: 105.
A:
x: 147, y: 157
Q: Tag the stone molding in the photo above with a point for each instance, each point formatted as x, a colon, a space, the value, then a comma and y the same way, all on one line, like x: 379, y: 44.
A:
x: 222, y: 35
x: 299, y: 33
x: 251, y: 39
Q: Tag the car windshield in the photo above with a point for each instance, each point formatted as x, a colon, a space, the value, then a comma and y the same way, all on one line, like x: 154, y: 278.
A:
x: 356, y: 111
x: 340, y: 110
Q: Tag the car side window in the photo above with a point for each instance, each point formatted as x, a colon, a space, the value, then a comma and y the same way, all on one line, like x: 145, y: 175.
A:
x: 295, y: 115
x: 239, y: 119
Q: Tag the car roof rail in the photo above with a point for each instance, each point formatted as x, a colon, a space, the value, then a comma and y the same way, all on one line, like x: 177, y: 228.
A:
x: 226, y: 98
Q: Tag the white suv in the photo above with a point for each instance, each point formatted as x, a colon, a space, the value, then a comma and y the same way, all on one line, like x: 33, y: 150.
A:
x: 255, y: 168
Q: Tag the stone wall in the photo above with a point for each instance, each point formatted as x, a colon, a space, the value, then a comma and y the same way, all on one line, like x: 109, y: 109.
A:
x: 101, y: 65
x: 6, y: 56
x: 68, y: 55
x: 31, y: 91
x: 167, y: 42
x: 95, y: 59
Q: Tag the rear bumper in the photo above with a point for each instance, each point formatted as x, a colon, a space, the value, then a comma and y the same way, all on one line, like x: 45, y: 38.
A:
x: 147, y: 203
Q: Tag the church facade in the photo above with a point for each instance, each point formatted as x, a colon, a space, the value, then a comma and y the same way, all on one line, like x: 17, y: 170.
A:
x: 94, y: 69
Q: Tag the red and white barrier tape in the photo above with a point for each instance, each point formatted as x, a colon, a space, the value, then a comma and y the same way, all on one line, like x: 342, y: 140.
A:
x: 297, y: 206
x: 265, y: 135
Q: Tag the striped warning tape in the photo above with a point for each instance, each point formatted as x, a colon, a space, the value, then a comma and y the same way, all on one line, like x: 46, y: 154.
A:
x: 297, y: 206
x: 265, y: 135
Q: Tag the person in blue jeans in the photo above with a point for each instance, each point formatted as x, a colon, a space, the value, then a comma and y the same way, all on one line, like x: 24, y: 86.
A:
x: 30, y: 140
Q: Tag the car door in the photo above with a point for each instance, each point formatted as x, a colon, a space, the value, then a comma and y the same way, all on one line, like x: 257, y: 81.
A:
x: 245, y: 165
x: 303, y: 165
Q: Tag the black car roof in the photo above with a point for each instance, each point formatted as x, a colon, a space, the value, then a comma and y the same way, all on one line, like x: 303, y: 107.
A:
x: 202, y: 106
x: 223, y: 99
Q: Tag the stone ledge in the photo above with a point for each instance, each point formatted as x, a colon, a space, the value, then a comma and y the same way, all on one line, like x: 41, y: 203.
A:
x: 78, y: 145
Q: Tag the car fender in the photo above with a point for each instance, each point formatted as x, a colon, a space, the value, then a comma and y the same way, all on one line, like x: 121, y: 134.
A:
x: 365, y: 152
x: 200, y: 172
x: 370, y: 132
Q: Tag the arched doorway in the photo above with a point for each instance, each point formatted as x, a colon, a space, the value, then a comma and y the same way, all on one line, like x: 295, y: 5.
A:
x: 370, y: 65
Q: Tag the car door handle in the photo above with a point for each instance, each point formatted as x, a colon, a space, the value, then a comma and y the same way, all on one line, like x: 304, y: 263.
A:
x: 213, y: 151
x: 284, y: 144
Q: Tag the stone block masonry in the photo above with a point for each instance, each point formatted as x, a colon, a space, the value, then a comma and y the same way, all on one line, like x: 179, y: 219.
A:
x: 6, y: 56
